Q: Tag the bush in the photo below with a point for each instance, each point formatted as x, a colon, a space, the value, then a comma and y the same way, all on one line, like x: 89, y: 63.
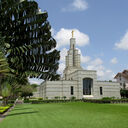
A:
x: 107, y: 98
x: 4, y: 109
x: 73, y: 98
x: 11, y: 101
x: 57, y: 97
x: 40, y: 98
x: 64, y: 97
x: 46, y: 98
x: 124, y: 93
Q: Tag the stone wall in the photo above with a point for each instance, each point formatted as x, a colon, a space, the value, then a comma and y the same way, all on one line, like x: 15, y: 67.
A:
x: 110, y: 89
x: 52, y: 89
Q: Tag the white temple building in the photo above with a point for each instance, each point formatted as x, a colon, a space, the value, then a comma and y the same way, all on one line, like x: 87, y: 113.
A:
x: 77, y: 82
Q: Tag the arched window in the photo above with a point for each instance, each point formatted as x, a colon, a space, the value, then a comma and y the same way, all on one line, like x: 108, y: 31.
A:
x: 87, y: 86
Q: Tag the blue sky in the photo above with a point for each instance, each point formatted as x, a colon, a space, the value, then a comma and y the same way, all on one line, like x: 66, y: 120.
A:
x: 101, y: 32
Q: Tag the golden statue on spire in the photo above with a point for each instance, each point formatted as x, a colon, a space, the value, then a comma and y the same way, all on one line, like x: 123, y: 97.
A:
x: 72, y: 33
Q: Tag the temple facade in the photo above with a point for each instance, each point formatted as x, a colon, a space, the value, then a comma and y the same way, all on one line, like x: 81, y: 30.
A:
x: 77, y: 82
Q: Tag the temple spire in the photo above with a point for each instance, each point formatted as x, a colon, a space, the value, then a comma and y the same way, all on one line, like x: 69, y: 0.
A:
x: 72, y: 33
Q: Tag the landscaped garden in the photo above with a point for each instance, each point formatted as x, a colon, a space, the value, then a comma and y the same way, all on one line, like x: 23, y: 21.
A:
x: 67, y: 115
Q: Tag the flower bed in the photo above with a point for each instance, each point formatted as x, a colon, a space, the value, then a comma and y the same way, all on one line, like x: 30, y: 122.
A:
x: 3, y: 109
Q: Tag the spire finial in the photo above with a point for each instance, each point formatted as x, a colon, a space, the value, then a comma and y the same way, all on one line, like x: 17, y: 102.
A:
x: 72, y: 33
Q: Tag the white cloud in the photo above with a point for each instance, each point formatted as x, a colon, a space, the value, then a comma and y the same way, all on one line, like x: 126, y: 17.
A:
x: 76, y: 5
x: 114, y: 60
x: 61, y: 68
x: 52, y: 31
x: 80, y: 4
x: 84, y: 59
x: 62, y: 37
x: 102, y: 72
x: 35, y: 81
x: 97, y: 62
x: 97, y: 65
x: 123, y: 44
x: 63, y: 53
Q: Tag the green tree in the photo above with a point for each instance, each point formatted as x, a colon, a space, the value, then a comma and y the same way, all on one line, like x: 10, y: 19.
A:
x: 34, y: 86
x: 26, y: 91
x: 29, y: 47
x: 6, y: 92
x: 124, y: 93
x: 4, y: 68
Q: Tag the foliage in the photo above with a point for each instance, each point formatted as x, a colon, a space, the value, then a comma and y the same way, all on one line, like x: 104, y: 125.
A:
x: 16, y: 83
x: 57, y: 97
x: 108, y: 98
x: 124, y: 93
x: 34, y: 86
x: 4, y: 67
x: 26, y: 91
x: 40, y: 98
x: 73, y: 98
x: 5, y: 92
x: 64, y: 97
x: 29, y: 47
x: 4, y: 109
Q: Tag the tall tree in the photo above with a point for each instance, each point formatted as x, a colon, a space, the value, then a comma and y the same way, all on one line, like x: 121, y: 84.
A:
x: 6, y: 92
x: 4, y: 68
x: 29, y: 47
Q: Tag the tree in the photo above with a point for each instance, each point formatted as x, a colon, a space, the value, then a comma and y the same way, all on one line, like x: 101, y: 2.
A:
x: 4, y: 68
x: 124, y: 93
x: 6, y: 92
x: 34, y: 86
x: 29, y: 47
x: 27, y: 91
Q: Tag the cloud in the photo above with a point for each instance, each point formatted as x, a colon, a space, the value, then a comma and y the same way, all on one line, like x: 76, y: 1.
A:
x: 114, y: 60
x: 35, y: 81
x: 102, y: 72
x: 123, y: 44
x: 63, y: 53
x: 97, y: 65
x: 76, y: 5
x: 52, y: 31
x: 84, y: 59
x: 61, y: 68
x: 63, y: 35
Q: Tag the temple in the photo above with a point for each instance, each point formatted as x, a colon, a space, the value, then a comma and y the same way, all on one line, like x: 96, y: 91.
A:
x: 77, y: 82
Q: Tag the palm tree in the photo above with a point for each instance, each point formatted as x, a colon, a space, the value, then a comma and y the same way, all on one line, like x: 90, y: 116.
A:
x: 6, y: 92
x: 29, y: 47
x: 4, y: 67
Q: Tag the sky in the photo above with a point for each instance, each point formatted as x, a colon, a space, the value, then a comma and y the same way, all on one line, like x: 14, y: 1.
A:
x: 101, y: 32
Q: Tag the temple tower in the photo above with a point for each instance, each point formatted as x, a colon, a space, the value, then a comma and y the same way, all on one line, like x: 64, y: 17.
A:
x: 72, y: 59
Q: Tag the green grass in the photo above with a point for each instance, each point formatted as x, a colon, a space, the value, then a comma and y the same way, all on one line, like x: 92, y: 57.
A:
x: 67, y: 115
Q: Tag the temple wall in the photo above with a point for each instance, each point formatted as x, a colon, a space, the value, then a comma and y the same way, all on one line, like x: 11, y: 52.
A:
x: 110, y: 89
x: 52, y: 89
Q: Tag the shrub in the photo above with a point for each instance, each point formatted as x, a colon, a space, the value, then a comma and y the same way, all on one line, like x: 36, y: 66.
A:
x: 57, y: 97
x: 46, y: 98
x: 124, y: 93
x: 107, y: 98
x: 73, y: 98
x: 40, y: 98
x: 4, y: 109
x: 64, y: 97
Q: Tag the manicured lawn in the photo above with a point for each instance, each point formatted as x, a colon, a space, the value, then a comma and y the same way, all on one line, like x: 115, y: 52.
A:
x: 67, y: 115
